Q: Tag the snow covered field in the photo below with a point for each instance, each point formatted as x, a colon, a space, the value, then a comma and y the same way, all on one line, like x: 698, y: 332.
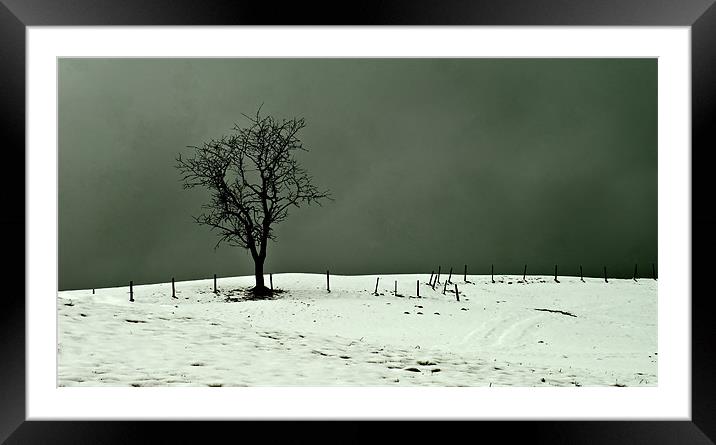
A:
x: 509, y: 333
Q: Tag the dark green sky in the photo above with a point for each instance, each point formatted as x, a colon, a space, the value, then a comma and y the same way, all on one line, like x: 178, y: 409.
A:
x: 430, y: 161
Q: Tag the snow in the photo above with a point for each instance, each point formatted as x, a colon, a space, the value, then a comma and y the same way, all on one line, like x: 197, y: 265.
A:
x: 508, y: 333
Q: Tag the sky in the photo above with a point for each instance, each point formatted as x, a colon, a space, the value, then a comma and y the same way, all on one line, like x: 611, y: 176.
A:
x: 429, y: 161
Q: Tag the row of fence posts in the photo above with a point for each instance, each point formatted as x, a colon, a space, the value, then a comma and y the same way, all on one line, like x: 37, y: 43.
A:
x: 581, y: 273
x: 174, y: 294
x: 434, y: 279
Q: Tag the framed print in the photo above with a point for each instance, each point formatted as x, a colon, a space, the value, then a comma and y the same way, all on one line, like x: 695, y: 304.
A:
x: 486, y: 221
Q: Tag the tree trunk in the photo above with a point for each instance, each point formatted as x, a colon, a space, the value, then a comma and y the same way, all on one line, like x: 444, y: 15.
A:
x: 259, y: 273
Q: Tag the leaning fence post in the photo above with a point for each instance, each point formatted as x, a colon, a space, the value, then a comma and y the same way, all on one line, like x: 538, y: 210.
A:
x: 328, y: 281
x: 430, y: 283
x: 444, y: 288
x: 131, y: 291
x: 173, y: 293
x: 450, y: 276
x: 438, y: 278
x: 376, y: 285
x: 457, y: 294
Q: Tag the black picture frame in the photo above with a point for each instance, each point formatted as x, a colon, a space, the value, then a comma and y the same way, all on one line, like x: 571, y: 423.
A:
x: 16, y: 15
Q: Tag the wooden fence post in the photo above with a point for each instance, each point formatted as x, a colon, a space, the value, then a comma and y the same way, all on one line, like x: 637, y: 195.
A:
x: 430, y: 283
x: 376, y: 285
x: 492, y: 273
x: 328, y: 281
x: 173, y: 293
x: 450, y: 276
x: 444, y: 288
x: 131, y: 291
x: 457, y: 294
x: 465, y: 278
x: 271, y: 281
x: 92, y: 291
x: 438, y: 278
x: 215, y: 290
x: 524, y: 274
x: 635, y: 277
x: 605, y: 274
x: 581, y: 275
x: 396, y: 287
x: 418, y: 287
x: 555, y: 274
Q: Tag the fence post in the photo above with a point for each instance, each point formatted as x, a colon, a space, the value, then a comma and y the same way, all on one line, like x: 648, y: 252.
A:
x: 271, y: 281
x: 635, y: 277
x: 173, y: 293
x: 605, y: 274
x: 438, y: 278
x: 524, y: 274
x: 418, y: 287
x: 450, y: 276
x: 492, y: 273
x: 444, y: 288
x: 93, y: 291
x: 581, y: 275
x: 555, y: 274
x: 396, y: 287
x: 376, y: 285
x: 430, y: 283
x: 457, y: 294
x: 328, y: 281
x: 465, y: 278
x: 131, y: 291
x: 215, y: 290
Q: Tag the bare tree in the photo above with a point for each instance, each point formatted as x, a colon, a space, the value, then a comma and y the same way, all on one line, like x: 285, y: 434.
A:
x: 254, y: 179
